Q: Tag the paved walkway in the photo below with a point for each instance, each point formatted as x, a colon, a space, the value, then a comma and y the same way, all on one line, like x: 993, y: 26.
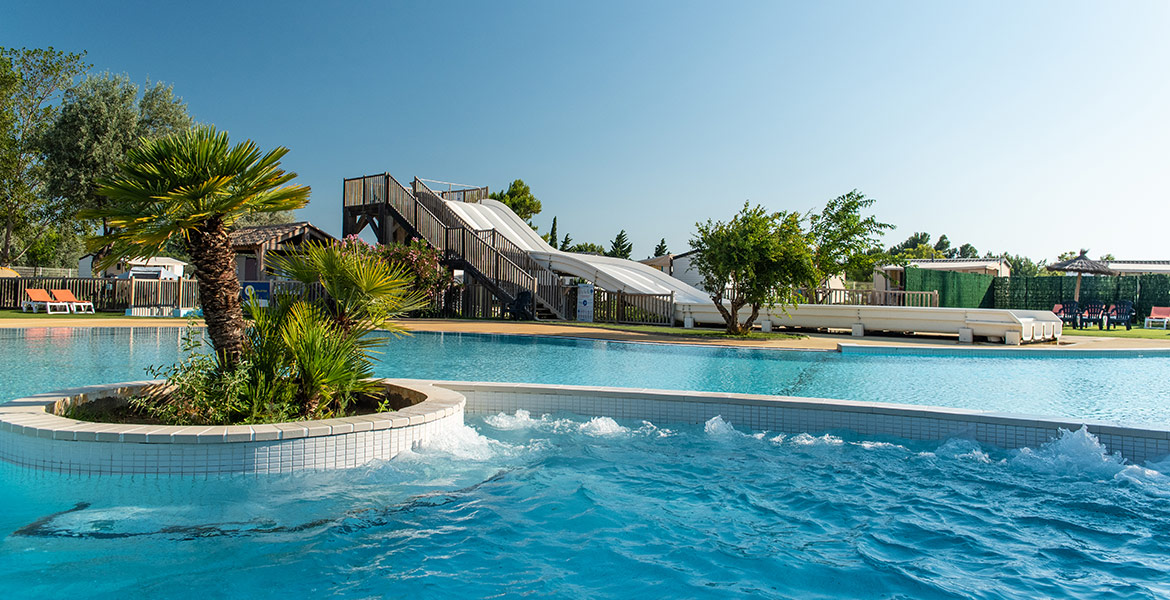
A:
x: 812, y: 341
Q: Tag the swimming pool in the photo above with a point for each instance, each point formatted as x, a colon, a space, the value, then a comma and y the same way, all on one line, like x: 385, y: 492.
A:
x: 566, y: 507
x: 563, y: 506
x: 1129, y: 390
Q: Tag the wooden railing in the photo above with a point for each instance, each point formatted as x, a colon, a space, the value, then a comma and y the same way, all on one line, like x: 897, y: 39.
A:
x: 438, y: 225
x: 106, y: 294
x: 639, y: 309
x: 546, y: 283
x: 547, y: 288
x: 867, y: 297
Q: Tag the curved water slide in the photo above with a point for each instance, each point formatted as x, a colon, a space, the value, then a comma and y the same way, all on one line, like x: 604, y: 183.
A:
x: 613, y: 274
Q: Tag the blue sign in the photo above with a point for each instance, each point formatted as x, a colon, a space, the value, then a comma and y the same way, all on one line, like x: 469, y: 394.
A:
x: 259, y: 288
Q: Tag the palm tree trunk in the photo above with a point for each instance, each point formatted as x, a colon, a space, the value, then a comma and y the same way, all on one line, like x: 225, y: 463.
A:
x: 219, y: 290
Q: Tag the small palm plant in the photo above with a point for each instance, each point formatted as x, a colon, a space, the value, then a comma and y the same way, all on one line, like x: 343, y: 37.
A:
x: 322, y: 348
x: 192, y: 186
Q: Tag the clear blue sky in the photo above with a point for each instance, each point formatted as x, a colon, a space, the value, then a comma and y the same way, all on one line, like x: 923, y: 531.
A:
x: 1031, y: 127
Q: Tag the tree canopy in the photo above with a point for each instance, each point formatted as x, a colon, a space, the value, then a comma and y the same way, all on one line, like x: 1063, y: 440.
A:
x: 520, y: 199
x: 660, y: 249
x: 29, y: 80
x: 100, y: 120
x: 756, y: 259
x: 841, y: 237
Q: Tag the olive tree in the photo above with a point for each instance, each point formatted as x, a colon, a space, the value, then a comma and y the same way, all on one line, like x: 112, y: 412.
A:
x: 30, y: 81
x: 755, y: 260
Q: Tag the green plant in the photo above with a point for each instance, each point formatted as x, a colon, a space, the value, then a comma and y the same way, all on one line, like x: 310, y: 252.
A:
x: 198, y: 391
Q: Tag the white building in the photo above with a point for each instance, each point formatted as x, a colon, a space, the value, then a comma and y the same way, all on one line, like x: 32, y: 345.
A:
x: 169, y: 267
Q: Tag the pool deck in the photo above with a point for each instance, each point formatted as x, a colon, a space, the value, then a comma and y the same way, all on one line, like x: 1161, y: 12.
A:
x: 812, y: 341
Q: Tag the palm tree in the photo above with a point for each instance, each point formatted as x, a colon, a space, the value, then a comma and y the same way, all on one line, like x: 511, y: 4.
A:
x: 324, y: 347
x: 192, y: 186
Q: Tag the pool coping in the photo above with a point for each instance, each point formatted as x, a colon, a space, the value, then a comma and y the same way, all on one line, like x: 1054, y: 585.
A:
x: 36, y: 416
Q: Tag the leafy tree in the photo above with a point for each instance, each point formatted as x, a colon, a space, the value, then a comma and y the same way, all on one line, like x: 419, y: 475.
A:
x: 968, y: 251
x: 911, y: 242
x: 660, y: 249
x: 193, y: 186
x: 99, y: 121
x: 754, y: 260
x: 1108, y: 256
x: 566, y: 243
x: 588, y: 248
x: 551, y: 236
x: 943, y: 246
x: 519, y: 198
x: 921, y: 251
x: 863, y: 269
x: 1024, y: 266
x: 29, y: 80
x: 279, y: 217
x: 842, y: 238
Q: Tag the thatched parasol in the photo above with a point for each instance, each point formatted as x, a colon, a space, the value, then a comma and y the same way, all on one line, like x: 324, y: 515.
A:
x: 1081, y: 265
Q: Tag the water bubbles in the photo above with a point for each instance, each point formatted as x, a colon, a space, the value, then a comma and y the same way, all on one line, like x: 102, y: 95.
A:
x: 598, y: 426
x: 717, y: 427
x: 1073, y: 452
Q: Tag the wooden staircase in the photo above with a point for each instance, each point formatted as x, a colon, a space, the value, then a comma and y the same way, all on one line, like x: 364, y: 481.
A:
x: 489, y: 258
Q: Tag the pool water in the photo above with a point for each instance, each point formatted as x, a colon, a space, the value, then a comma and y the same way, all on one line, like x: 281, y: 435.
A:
x: 567, y: 507
x: 1129, y: 390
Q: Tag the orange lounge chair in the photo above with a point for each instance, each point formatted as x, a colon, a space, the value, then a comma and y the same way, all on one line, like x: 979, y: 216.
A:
x: 77, y: 306
x: 38, y: 298
x: 1158, y: 314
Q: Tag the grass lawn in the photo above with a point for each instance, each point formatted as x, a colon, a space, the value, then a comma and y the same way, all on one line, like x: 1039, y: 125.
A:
x: 16, y: 314
x: 692, y: 333
x: 1120, y: 332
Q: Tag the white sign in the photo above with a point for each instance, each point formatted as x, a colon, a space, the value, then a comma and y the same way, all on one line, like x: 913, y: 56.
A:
x: 585, y: 302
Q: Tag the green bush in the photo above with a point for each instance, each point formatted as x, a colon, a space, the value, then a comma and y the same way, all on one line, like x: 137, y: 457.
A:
x: 301, y: 358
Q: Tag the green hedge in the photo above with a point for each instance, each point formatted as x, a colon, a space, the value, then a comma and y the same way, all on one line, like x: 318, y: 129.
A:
x: 957, y: 290
x: 971, y: 290
x: 1041, y: 293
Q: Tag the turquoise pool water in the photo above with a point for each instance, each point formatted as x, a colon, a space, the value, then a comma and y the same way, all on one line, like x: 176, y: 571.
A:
x: 566, y: 507
x: 1130, y: 390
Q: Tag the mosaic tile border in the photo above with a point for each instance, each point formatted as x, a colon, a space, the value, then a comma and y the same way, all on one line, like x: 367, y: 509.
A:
x: 31, y: 435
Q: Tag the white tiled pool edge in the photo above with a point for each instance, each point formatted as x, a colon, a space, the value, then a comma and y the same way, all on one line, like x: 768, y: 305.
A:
x: 33, y: 437
x: 784, y: 414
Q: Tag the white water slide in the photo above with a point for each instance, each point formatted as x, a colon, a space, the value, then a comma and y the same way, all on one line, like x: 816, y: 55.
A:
x: 616, y: 274
x: 613, y: 274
